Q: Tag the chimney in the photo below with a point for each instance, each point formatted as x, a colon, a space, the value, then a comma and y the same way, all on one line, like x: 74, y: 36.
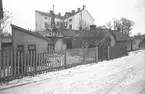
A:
x: 84, y: 6
x: 52, y: 18
x: 92, y: 27
x: 78, y: 9
x: 66, y: 14
x: 69, y: 13
x: 73, y: 11
x: 51, y: 12
x: 59, y: 14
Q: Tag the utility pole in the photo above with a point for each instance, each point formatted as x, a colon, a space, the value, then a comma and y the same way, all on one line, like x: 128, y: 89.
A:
x: 53, y: 9
x: 53, y: 19
x: 1, y: 17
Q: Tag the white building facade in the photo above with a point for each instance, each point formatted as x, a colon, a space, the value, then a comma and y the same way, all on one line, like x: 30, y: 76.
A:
x: 75, y: 20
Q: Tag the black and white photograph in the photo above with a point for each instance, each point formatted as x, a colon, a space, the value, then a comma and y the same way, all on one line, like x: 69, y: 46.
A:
x: 72, y: 46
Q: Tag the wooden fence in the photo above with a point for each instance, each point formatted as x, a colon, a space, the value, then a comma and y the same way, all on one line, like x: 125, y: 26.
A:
x: 18, y: 64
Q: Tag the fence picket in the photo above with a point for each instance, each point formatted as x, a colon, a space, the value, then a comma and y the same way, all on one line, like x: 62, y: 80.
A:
x: 31, y: 63
x: 0, y: 64
x: 4, y: 62
x: 65, y: 58
x: 28, y: 63
x: 12, y: 64
x: 7, y: 61
x: 36, y: 62
x: 18, y: 63
x: 39, y: 61
x: 22, y: 63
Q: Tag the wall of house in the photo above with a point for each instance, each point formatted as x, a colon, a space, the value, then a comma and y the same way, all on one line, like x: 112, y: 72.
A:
x: 74, y: 22
x: 87, y: 18
x: 135, y: 43
x: 59, y: 45
x: 129, y: 45
x: 76, y: 43
x: 142, y: 43
x: 84, y: 16
x: 38, y: 22
x: 21, y: 38
x: 48, y: 21
x: 119, y: 50
x: 57, y: 20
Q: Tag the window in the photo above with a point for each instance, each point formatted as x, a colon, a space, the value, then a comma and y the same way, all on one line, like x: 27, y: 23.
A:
x: 20, y: 47
x: 57, y: 23
x: 70, y: 26
x: 32, y: 47
x: 46, y: 25
x: 66, y: 23
x: 45, y: 18
x: 50, y: 47
x: 70, y: 20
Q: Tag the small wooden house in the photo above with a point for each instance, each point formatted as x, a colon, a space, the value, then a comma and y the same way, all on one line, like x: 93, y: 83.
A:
x: 26, y: 40
x: 6, y: 40
x: 142, y: 43
x: 136, y: 41
x: 119, y: 49
x: 62, y: 38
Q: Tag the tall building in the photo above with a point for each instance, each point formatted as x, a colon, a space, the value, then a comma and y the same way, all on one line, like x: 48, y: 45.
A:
x: 76, y: 20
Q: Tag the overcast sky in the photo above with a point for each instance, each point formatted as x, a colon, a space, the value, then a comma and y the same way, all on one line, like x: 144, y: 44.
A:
x: 102, y: 11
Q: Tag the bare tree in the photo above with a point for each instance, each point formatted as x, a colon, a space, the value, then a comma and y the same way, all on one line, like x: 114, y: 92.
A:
x: 5, y: 22
x: 109, y: 25
x: 83, y: 25
x: 123, y: 25
x: 126, y: 25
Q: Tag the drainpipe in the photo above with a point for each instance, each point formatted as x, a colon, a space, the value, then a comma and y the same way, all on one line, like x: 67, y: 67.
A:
x: 131, y: 45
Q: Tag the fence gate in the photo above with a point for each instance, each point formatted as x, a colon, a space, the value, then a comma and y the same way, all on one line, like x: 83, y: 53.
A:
x: 102, y: 52
x: 19, y: 60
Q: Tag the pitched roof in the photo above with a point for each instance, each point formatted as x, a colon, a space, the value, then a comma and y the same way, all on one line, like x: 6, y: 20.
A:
x: 119, y: 36
x: 67, y: 32
x: 29, y: 32
x: 139, y: 37
x: 59, y: 32
x: 90, y: 14
x: 48, y: 14
x: 79, y: 12
x: 72, y: 14
x: 143, y: 41
x: 62, y: 17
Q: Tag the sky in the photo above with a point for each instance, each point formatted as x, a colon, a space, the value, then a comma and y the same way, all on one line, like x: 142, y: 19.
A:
x: 23, y: 11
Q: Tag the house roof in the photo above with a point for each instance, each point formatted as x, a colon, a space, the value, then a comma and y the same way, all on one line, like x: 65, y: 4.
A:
x: 143, y: 41
x: 119, y: 36
x: 62, y: 17
x: 48, y: 14
x: 66, y: 32
x: 72, y: 14
x: 29, y: 32
x: 90, y: 33
x: 79, y: 12
x: 59, y: 32
x: 139, y: 37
